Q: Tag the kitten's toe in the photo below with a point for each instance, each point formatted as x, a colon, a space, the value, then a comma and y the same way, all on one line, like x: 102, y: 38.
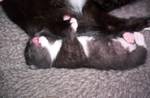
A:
x: 129, y: 37
x: 139, y: 39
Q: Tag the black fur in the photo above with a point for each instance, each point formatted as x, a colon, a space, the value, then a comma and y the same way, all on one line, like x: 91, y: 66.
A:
x: 46, y: 15
x: 34, y: 16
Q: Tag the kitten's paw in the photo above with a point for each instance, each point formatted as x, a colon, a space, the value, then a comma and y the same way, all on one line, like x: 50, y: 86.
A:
x: 129, y: 47
x: 129, y: 37
x: 40, y: 41
x: 139, y: 39
x: 66, y: 17
x: 72, y: 21
x: 74, y: 24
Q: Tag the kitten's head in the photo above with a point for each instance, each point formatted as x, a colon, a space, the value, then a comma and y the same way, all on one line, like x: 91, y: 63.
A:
x: 36, y: 55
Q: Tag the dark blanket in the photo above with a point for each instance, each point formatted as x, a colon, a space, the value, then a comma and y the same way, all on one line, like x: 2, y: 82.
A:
x: 18, y: 81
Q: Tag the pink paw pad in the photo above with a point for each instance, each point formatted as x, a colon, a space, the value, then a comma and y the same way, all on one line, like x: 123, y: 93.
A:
x: 35, y: 41
x: 129, y: 37
x: 66, y: 17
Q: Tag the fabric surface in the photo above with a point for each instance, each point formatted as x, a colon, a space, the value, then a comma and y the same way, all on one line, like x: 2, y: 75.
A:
x: 18, y: 81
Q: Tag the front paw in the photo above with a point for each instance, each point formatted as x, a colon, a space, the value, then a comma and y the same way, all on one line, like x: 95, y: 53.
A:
x: 72, y: 22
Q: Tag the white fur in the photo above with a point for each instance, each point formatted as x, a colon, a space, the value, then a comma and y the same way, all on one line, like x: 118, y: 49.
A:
x: 125, y: 44
x: 77, y: 5
x: 74, y: 24
x: 84, y: 42
x: 147, y: 29
x: 66, y: 17
x: 53, y: 48
x: 139, y: 39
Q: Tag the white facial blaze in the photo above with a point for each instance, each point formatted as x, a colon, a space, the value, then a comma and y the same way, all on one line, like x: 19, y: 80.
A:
x: 53, y: 48
x: 77, y: 5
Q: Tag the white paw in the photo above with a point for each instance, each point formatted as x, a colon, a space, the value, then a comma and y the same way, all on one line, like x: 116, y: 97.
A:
x: 66, y: 17
x: 139, y: 39
x: 74, y: 24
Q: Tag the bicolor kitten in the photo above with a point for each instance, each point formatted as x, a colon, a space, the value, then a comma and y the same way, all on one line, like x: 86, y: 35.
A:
x: 77, y: 51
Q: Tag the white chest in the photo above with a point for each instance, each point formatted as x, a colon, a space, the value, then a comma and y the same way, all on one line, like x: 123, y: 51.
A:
x: 77, y: 5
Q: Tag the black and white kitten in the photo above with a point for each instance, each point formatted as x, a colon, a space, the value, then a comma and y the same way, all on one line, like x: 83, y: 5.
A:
x: 93, y: 15
x: 76, y: 51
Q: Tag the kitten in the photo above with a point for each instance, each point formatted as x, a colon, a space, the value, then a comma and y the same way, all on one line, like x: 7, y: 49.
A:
x: 76, y: 51
x: 44, y: 17
x: 93, y: 15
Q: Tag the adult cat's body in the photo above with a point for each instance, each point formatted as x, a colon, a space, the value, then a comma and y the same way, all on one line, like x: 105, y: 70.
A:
x: 74, y: 51
x: 35, y: 16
